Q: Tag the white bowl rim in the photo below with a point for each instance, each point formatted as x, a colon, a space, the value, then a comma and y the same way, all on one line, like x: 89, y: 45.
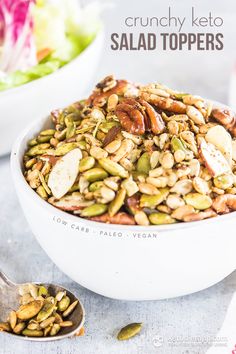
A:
x: 29, y: 84
x: 16, y: 170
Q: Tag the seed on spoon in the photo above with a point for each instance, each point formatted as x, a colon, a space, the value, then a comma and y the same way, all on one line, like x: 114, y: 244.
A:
x: 70, y: 309
x: 40, y: 313
x: 30, y: 310
x: 12, y: 319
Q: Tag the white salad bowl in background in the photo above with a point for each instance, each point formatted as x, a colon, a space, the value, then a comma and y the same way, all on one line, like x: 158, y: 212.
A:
x: 21, y: 104
x: 127, y: 262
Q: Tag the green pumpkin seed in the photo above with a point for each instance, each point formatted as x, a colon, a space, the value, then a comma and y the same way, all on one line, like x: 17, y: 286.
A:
x: 32, y: 333
x: 64, y: 303
x: 94, y: 210
x: 86, y: 163
x: 117, y: 203
x: 46, y: 311
x: 177, y: 144
x: 180, y: 96
x: 61, y: 135
x: 65, y: 148
x: 95, y: 174
x: 47, y: 132
x: 85, y: 129
x: 70, y: 309
x: 42, y: 193
x: 70, y: 131
x: 95, y: 186
x: 198, y: 201
x: 105, y: 127
x: 29, y: 164
x: 42, y: 291
x: 151, y: 201
x: 224, y: 181
x: 32, y: 142
x: 129, y: 331
x: 161, y: 218
x: 113, y: 168
x: 38, y: 149
x: 43, y: 139
x: 143, y: 164
x: 33, y: 325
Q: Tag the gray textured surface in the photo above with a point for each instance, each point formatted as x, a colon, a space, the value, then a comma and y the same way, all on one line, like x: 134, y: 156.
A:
x: 22, y: 258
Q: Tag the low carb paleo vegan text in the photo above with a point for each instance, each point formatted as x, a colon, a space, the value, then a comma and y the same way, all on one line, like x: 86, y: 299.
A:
x: 136, y: 154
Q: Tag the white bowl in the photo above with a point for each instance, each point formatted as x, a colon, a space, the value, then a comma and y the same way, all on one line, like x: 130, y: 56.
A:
x: 21, y: 104
x: 127, y: 262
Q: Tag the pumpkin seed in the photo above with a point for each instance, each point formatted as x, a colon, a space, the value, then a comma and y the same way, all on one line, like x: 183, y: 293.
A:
x: 12, y: 319
x: 4, y: 326
x: 38, y: 149
x: 86, y: 163
x: 94, y: 210
x: 70, y: 309
x: 60, y: 295
x: 30, y: 310
x: 19, y: 327
x: 32, y: 333
x: 66, y: 324
x: 129, y: 331
x: 64, y: 303
x: 143, y: 164
x: 33, y: 325
x: 42, y: 291
x: 55, y: 329
x: 46, y: 331
x: 113, y: 168
x: 95, y: 174
x: 151, y: 201
x: 198, y: 201
x: 161, y: 218
x: 117, y: 203
x: 46, y: 311
x: 47, y: 322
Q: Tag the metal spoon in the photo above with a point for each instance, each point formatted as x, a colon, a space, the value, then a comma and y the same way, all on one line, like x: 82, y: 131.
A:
x: 9, y: 300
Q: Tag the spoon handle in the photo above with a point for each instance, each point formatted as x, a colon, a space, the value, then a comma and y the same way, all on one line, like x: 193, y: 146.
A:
x: 4, y: 280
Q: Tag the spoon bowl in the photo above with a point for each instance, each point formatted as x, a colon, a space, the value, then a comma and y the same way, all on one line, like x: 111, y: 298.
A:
x: 9, y: 300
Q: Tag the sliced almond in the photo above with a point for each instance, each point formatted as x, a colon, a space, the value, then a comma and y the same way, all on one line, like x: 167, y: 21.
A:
x: 64, y: 173
x: 221, y: 139
x: 71, y: 202
x: 214, y: 160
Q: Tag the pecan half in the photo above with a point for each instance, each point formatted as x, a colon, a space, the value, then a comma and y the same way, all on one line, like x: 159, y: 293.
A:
x: 226, y: 117
x: 120, y: 218
x: 131, y: 116
x: 165, y: 103
x: 138, y: 116
x: 224, y: 203
x: 98, y: 95
x: 209, y: 213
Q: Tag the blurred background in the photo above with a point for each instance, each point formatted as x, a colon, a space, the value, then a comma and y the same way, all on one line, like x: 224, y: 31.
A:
x: 204, y: 72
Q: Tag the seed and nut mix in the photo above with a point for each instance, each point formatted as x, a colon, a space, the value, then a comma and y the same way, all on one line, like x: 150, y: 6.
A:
x: 133, y: 154
x: 40, y: 314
